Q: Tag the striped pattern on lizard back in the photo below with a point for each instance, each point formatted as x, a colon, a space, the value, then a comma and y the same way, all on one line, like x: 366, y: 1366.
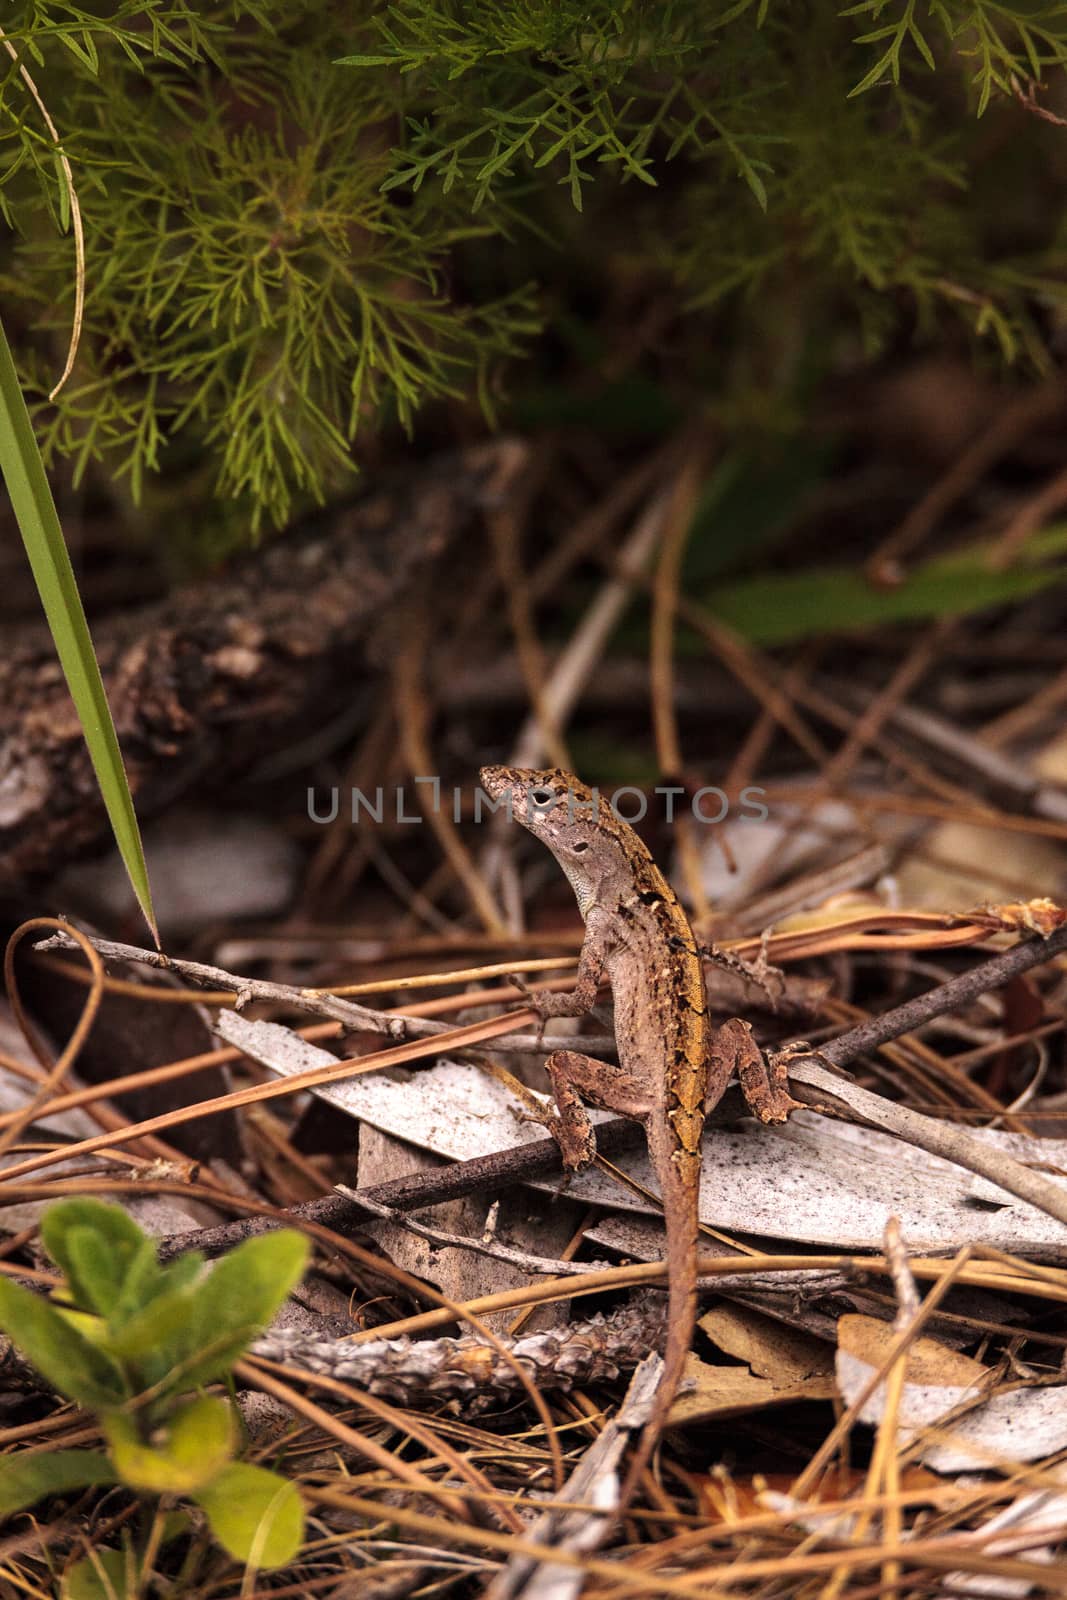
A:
x: 655, y: 972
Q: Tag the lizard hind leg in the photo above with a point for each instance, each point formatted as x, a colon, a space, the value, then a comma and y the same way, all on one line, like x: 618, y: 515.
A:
x: 576, y: 1079
x: 570, y: 1127
x: 765, y: 1085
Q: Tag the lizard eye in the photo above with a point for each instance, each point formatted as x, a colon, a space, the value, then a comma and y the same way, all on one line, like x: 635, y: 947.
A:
x: 583, y: 844
x: 542, y: 797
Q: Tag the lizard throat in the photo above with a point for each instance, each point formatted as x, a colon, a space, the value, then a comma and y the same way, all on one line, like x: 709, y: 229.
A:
x: 584, y: 892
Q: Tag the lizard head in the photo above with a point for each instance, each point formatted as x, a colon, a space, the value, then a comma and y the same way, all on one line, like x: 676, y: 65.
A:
x: 577, y: 825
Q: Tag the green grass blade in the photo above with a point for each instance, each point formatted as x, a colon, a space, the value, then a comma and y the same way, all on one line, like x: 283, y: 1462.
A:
x: 35, y: 511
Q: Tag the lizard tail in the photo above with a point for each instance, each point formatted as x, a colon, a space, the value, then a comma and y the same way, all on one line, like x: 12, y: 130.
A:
x: 679, y: 1194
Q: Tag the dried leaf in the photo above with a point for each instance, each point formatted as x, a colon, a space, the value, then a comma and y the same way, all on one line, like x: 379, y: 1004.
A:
x: 812, y: 1181
x: 1041, y: 916
x: 784, y: 1355
x: 1010, y: 1425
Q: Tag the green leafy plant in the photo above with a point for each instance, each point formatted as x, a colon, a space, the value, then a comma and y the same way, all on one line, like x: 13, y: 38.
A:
x: 137, y: 1342
x: 302, y: 223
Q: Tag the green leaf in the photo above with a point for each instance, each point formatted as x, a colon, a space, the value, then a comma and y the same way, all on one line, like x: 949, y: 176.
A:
x: 144, y: 1279
x: 35, y: 512
x: 184, y: 1456
x: 745, y: 167
x: 160, y: 1343
x: 247, y: 1287
x: 62, y: 1355
x: 885, y: 63
x: 921, y: 45
x: 101, y: 1575
x: 182, y: 1270
x: 63, y: 191
x: 95, y: 1245
x: 779, y: 608
x: 25, y: 1478
x: 365, y: 61
x: 196, y: 1332
x: 147, y: 1280
x: 254, y: 1514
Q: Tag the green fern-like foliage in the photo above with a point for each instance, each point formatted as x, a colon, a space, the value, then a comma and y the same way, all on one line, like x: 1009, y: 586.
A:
x: 302, y: 222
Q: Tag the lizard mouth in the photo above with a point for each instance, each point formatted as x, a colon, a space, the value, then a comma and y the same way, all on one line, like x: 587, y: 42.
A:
x: 509, y: 786
x: 496, y: 780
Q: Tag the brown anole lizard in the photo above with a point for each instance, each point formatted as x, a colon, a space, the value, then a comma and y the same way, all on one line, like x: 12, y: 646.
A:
x: 674, y: 1064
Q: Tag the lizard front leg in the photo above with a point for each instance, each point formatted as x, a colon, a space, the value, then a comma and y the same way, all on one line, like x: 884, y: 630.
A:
x: 765, y: 1088
x: 759, y: 972
x: 569, y: 1072
x: 591, y: 963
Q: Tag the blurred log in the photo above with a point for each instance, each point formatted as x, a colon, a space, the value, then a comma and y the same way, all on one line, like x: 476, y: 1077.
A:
x: 227, y: 669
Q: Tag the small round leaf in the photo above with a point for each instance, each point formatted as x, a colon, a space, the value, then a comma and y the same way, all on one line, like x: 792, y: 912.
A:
x: 254, y: 1514
x: 187, y: 1453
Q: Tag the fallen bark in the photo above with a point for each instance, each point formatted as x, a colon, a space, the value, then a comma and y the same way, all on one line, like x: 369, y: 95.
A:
x: 204, y: 683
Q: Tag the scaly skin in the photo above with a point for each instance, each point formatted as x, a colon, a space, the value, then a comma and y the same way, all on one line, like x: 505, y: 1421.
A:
x: 673, y: 1064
